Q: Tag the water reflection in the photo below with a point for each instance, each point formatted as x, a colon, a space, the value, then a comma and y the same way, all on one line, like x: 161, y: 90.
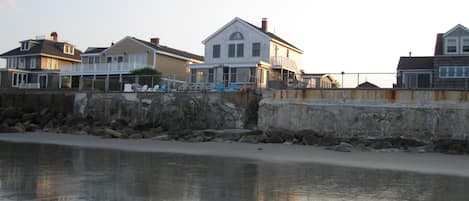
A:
x: 50, y: 172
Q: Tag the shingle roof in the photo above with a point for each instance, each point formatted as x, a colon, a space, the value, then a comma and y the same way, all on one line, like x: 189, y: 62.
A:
x: 367, y: 85
x: 44, y: 47
x: 272, y: 35
x: 172, y: 50
x: 94, y: 50
x: 439, y: 44
x: 408, y: 63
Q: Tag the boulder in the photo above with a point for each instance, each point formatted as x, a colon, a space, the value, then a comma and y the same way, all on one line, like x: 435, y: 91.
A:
x: 19, y: 128
x: 163, y: 137
x: 249, y: 139
x: 343, y: 147
x: 136, y: 136
x: 112, y: 133
x: 381, y: 144
x: 328, y: 141
x: 310, y: 140
x: 28, y: 117
x: 12, y: 113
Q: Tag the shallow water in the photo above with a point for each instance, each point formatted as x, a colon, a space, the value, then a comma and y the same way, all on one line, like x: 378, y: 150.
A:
x: 62, y: 173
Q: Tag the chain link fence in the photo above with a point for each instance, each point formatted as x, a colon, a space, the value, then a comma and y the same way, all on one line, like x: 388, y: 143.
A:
x: 353, y: 80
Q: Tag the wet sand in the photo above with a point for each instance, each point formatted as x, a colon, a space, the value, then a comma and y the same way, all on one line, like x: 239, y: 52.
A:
x: 430, y: 163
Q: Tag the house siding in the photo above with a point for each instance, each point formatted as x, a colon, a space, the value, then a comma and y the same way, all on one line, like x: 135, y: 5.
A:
x: 449, y: 82
x: 172, y: 66
x: 128, y: 46
x: 223, y: 39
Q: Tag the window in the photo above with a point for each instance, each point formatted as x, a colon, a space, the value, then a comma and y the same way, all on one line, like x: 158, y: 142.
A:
x: 24, y: 46
x: 21, y: 62
x: 216, y: 51
x: 412, y: 80
x: 200, y: 76
x: 231, y: 50
x: 137, y: 60
x: 68, y: 49
x: 193, y: 76
x: 451, y: 72
x: 52, y: 64
x: 236, y: 36
x: 443, y: 72
x: 252, y: 77
x: 240, y: 50
x: 210, y: 75
x: 459, y: 72
x: 466, y: 71
x: 256, y: 49
x: 451, y: 45
x: 32, y: 63
x: 465, y: 45
x: 288, y: 53
x: 233, y: 75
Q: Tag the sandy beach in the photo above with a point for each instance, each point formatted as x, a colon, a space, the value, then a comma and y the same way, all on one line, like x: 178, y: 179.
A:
x: 429, y: 163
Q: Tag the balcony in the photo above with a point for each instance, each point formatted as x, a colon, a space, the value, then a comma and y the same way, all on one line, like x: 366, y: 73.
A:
x: 284, y: 63
x: 100, y: 69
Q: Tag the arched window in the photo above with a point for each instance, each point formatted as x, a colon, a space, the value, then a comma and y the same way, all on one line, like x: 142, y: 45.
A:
x: 236, y: 36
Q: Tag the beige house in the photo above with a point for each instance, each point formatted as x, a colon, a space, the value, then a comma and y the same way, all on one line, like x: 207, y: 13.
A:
x: 130, y: 54
x: 312, y: 80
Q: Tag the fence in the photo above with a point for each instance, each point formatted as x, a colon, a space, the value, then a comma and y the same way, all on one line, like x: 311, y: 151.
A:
x: 352, y: 80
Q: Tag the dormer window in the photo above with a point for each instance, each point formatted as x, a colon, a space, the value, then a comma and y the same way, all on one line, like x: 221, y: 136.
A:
x: 68, y: 49
x: 451, y: 45
x: 24, y: 46
x: 236, y: 36
x: 465, y: 45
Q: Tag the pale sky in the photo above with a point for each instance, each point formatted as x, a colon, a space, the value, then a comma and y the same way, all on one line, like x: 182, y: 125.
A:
x: 336, y: 35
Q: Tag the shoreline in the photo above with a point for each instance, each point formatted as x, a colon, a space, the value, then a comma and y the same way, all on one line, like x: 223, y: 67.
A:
x: 427, y: 163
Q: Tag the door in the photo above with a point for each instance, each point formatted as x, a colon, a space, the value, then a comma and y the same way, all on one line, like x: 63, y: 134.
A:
x: 226, y: 76
x: 42, y: 81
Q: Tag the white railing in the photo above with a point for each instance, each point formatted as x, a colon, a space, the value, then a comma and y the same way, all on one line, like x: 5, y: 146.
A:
x: 102, y: 68
x: 29, y: 86
x: 284, y: 62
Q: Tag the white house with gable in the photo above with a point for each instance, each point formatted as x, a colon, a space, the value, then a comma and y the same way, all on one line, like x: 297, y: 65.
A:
x: 241, y: 54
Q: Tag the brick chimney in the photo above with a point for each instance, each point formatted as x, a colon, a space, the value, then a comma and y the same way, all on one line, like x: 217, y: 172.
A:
x: 155, y: 41
x: 264, y: 25
x: 54, y: 36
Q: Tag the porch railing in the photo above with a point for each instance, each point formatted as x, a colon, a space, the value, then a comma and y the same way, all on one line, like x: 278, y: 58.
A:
x: 102, y: 68
x: 284, y: 62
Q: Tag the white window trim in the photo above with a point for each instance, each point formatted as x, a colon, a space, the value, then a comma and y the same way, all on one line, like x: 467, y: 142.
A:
x: 32, y: 65
x: 458, y: 49
x: 28, y: 46
x: 441, y: 68
x: 462, y: 44
x: 39, y: 80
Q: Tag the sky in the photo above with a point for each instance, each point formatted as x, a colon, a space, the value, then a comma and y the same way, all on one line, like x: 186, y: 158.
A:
x: 335, y: 35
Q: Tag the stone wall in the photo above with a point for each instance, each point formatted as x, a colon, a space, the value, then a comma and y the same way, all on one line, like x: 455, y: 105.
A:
x: 345, y: 113
x: 59, y: 101
x: 171, y: 110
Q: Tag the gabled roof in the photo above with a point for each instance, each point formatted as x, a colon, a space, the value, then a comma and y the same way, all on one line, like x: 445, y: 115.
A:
x: 48, y: 47
x: 94, y: 50
x: 258, y: 29
x: 439, y: 44
x: 459, y: 26
x: 367, y: 85
x: 170, y: 50
x: 417, y: 63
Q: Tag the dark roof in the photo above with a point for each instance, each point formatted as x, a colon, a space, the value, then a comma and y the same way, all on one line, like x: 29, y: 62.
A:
x: 172, y: 50
x: 439, y: 44
x: 44, y: 47
x: 272, y: 35
x: 408, y: 63
x: 367, y: 85
x: 94, y: 50
x: 314, y: 74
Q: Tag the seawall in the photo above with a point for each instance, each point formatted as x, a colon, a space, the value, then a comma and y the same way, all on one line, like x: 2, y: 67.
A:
x: 345, y: 113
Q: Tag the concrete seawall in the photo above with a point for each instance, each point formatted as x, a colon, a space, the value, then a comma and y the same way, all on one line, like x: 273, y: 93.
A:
x: 424, y: 114
x: 171, y: 110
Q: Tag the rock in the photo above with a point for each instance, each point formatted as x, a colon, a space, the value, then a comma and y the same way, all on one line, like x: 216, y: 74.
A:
x: 194, y: 138
x: 28, y: 117
x: 97, y: 131
x: 344, y: 147
x: 44, y: 111
x: 10, y: 121
x: 162, y: 137
x: 251, y: 133
x: 11, y: 112
x: 249, y: 139
x: 328, y: 141
x: 149, y: 134
x: 176, y: 134
x: 31, y: 127
x: 381, y: 144
x: 310, y: 140
x: 228, y: 136
x: 7, y: 129
x: 136, y: 136
x: 113, y: 133
x: 261, y: 138
x: 274, y: 138
x: 157, y: 130
x: 19, y: 128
